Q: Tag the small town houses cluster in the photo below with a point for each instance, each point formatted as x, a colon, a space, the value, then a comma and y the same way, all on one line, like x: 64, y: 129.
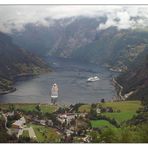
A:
x: 21, y: 125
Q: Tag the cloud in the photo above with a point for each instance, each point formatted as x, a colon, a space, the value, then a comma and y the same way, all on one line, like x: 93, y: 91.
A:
x: 127, y: 17
x: 123, y: 17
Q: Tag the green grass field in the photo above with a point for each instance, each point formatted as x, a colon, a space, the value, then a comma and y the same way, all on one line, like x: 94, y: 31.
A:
x: 31, y: 107
x: 120, y: 117
x: 48, y: 108
x: 123, y: 106
x: 101, y: 123
x: 46, y: 134
x: 25, y: 133
x: 128, y: 110
x: 84, y: 108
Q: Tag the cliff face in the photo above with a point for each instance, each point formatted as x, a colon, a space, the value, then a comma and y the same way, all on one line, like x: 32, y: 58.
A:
x: 58, y: 39
x: 117, y: 49
x: 15, y: 61
x: 136, y: 80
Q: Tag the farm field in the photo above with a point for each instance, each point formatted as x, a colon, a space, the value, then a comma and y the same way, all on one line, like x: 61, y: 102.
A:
x: 127, y: 110
x: 123, y: 106
x: 101, y: 123
x: 84, y: 108
x: 46, y: 134
x: 121, y: 116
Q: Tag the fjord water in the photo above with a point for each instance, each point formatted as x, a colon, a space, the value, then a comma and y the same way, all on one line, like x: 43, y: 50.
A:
x: 71, y: 77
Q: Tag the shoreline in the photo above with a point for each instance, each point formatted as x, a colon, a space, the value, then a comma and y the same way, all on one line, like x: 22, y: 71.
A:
x: 8, y: 91
x: 16, y: 78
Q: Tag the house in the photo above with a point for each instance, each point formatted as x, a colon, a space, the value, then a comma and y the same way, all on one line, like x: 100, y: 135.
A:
x: 98, y: 110
x: 19, y: 124
x: 49, y: 123
x: 10, y: 113
x: 66, y: 117
x: 81, y: 115
x: 69, y: 132
x: 43, y: 122
x: 87, y: 139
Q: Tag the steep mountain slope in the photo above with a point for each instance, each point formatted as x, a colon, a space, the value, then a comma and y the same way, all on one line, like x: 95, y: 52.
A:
x: 60, y: 38
x: 135, y: 81
x: 115, y: 48
x: 79, y: 38
x: 15, y: 61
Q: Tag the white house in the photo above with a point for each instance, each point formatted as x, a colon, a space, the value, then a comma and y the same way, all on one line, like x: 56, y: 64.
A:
x: 19, y: 123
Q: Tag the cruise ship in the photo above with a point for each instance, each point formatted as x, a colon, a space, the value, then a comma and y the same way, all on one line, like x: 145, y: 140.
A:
x: 54, y: 93
x: 93, y: 79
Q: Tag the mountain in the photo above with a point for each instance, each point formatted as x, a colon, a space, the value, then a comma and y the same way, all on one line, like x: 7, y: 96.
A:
x: 60, y: 37
x: 115, y: 48
x: 15, y: 61
x: 135, y: 81
x: 80, y: 38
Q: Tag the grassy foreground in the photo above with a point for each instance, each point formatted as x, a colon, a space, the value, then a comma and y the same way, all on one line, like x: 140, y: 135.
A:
x: 123, y: 106
x: 45, y: 108
x: 127, y: 109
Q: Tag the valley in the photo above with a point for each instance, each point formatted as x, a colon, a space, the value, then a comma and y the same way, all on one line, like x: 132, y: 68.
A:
x: 73, y: 74
x: 71, y: 77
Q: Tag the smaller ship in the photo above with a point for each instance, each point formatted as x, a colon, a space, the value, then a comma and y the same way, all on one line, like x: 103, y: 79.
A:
x: 93, y: 79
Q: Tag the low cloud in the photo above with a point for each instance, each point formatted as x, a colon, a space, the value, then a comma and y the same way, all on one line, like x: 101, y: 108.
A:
x: 126, y: 18
x: 122, y: 17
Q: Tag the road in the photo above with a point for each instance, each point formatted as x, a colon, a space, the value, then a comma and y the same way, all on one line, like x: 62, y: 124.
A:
x: 120, y: 89
x: 30, y: 130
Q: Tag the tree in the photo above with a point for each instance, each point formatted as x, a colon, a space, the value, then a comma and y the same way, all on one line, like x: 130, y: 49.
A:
x: 93, y: 114
x: 95, y: 137
x: 93, y: 106
x: 126, y: 136
x: 102, y: 100
x: 38, y: 108
x: 11, y: 107
x: 108, y: 136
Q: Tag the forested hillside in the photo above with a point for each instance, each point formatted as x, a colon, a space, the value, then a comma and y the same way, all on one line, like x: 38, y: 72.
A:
x: 15, y: 61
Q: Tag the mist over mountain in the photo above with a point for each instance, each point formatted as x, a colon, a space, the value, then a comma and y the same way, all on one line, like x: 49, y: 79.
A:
x: 60, y: 39
x: 79, y: 38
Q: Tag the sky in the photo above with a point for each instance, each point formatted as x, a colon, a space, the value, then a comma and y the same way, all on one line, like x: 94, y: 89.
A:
x: 123, y: 17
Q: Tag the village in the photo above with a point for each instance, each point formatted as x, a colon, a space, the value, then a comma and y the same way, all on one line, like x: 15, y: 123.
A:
x: 65, y: 125
x: 46, y: 123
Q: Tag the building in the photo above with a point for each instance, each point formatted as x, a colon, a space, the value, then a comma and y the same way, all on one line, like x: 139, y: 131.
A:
x: 49, y: 123
x: 98, y: 110
x: 43, y: 122
x: 19, y: 124
x: 66, y: 117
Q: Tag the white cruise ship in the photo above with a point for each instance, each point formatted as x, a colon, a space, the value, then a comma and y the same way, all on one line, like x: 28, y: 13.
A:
x: 54, y: 93
x: 93, y: 79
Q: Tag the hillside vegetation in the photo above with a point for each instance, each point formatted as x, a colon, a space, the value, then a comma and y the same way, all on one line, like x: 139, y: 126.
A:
x: 16, y: 62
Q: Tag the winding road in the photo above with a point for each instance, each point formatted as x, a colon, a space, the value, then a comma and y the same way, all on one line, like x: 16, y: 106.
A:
x: 120, y: 89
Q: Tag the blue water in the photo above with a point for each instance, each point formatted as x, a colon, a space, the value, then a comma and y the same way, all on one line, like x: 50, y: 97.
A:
x: 71, y: 77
